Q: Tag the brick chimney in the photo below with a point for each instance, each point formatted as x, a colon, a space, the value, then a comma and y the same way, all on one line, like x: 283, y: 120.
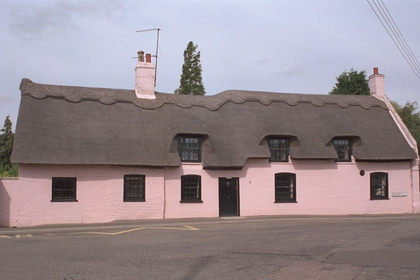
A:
x: 145, y: 77
x: 376, y: 83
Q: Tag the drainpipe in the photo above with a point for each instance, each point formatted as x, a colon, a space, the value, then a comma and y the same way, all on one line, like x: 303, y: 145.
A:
x: 164, y: 194
x: 415, y: 180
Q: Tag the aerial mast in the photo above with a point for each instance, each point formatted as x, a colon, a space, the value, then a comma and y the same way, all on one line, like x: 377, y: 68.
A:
x: 157, y: 47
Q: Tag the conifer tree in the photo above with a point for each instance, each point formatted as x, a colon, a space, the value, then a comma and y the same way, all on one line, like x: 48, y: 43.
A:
x: 6, y: 146
x: 351, y: 83
x: 191, y: 80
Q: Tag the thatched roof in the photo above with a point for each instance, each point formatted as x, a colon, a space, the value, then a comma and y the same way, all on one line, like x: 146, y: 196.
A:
x: 80, y: 125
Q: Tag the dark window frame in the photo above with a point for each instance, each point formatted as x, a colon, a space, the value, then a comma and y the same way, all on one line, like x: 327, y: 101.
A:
x: 379, y: 190
x: 342, y: 153
x: 130, y: 190
x: 186, y: 151
x: 284, y: 193
x: 276, y: 154
x: 190, y: 189
x: 63, y: 189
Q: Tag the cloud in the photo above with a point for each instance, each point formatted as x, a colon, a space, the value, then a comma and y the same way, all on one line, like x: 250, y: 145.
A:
x: 5, y: 99
x: 264, y: 61
x: 289, y: 70
x: 39, y: 19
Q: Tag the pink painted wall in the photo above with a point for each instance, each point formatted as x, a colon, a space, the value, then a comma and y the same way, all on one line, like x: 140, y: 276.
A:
x: 99, y: 195
x: 328, y: 188
x: 323, y: 188
x: 7, y: 186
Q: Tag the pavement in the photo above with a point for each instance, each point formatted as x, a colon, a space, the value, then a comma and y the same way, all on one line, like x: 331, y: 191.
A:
x: 123, y: 224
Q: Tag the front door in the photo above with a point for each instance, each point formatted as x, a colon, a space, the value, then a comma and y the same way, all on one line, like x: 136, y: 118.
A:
x: 228, y: 197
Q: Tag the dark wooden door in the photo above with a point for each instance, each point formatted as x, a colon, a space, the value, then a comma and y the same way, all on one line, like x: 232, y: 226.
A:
x: 228, y: 197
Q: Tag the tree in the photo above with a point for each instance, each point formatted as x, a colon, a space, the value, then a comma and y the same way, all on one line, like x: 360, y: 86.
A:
x: 352, y: 83
x: 411, y: 118
x: 6, y: 145
x: 191, y: 79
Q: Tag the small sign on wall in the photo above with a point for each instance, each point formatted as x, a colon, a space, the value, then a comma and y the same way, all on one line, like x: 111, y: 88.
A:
x: 399, y: 194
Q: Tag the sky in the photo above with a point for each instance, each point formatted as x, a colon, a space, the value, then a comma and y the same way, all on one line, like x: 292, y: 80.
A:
x: 264, y: 45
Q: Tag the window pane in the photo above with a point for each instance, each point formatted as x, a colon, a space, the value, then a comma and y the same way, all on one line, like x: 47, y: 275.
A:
x: 379, y: 185
x: 69, y: 193
x: 285, y: 187
x: 278, y: 149
x: 59, y: 193
x: 63, y: 188
x: 134, y: 187
x: 189, y: 148
x: 190, y: 187
x: 342, y: 146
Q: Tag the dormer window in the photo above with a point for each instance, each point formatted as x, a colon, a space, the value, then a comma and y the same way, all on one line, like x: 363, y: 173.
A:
x: 279, y: 149
x: 343, y: 149
x: 189, y: 148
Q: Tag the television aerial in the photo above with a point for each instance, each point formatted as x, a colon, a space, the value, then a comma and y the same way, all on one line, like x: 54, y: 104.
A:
x: 157, y: 47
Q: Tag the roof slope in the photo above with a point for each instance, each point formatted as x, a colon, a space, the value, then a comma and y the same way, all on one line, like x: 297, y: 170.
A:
x: 79, y: 125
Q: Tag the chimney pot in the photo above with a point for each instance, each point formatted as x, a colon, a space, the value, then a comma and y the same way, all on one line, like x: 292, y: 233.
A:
x: 148, y: 58
x: 375, y: 71
x: 140, y: 55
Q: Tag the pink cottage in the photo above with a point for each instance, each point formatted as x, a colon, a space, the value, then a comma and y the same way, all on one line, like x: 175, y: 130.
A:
x: 89, y: 155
